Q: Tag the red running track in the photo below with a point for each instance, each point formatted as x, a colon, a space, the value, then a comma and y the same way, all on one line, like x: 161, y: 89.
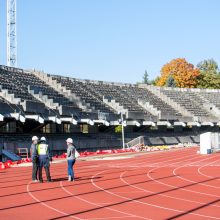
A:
x: 166, y: 185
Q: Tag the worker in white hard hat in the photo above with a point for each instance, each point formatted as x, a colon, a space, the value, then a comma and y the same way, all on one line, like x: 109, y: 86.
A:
x: 70, y: 158
x: 34, y: 157
x: 44, y: 159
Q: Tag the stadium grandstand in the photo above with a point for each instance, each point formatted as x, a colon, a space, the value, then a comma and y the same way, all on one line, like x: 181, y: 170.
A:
x: 36, y: 103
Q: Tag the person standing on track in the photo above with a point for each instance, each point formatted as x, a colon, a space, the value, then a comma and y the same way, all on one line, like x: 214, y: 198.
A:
x: 44, y: 159
x: 70, y: 158
x: 34, y: 157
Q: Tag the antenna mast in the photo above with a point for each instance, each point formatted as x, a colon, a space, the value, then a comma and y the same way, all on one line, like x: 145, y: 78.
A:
x: 11, y: 34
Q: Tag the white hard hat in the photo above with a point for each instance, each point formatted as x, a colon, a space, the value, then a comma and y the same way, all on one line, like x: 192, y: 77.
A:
x: 34, y: 138
x: 43, y: 139
x: 69, y: 140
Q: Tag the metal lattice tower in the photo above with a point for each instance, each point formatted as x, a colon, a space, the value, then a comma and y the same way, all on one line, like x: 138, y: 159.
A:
x: 11, y: 34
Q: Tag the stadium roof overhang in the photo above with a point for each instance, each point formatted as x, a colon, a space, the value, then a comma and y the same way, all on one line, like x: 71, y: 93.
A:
x: 179, y: 123
x: 37, y: 118
x: 164, y: 123
x: 194, y: 123
x: 136, y: 123
x: 54, y: 119
x: 149, y: 123
x: 116, y: 123
x: 207, y: 124
x: 88, y: 121
x: 104, y: 122
x: 18, y: 117
x: 68, y: 119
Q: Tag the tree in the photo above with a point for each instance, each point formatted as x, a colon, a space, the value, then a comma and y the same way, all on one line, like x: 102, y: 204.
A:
x: 155, y: 81
x: 183, y: 73
x: 209, y: 81
x: 145, y: 78
x: 209, y: 66
x: 170, y: 81
x: 210, y: 77
x: 118, y: 129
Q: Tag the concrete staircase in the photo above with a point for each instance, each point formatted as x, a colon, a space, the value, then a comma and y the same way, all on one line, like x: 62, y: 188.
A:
x: 156, y: 91
x: 62, y: 90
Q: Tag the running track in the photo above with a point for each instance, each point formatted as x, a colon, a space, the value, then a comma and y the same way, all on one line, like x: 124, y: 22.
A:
x: 166, y: 185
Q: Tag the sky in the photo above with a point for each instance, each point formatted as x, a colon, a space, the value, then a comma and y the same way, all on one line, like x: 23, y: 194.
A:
x: 112, y: 40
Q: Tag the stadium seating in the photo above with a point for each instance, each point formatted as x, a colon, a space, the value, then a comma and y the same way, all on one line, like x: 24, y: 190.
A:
x: 80, y: 89
x: 189, y: 100
x: 92, y: 92
x: 31, y: 94
x: 88, y: 111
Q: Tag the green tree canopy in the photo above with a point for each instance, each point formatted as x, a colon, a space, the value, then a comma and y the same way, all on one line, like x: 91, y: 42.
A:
x: 145, y: 78
x: 210, y: 77
x: 209, y: 66
x: 170, y: 81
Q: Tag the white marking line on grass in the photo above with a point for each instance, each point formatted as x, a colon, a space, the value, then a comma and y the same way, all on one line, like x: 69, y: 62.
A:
x: 95, y: 204
x: 191, y: 181
x: 48, y: 206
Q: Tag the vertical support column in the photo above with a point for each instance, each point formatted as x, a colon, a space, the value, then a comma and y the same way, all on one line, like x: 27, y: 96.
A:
x: 122, y: 129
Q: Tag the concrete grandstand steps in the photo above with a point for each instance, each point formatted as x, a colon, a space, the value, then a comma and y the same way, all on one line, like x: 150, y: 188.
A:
x: 152, y: 103
x: 33, y: 91
x: 154, y: 111
x: 212, y: 98
x: 119, y: 93
x: 55, y: 83
x: 157, y: 92
x: 114, y: 105
x: 62, y: 94
x: 44, y: 98
x: 82, y: 88
x: 190, y: 100
x: 10, y: 97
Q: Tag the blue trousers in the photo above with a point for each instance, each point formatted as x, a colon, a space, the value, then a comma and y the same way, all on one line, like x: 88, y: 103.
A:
x: 70, y: 168
x: 44, y: 162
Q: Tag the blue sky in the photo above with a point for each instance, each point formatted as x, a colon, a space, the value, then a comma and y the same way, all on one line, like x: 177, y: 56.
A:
x: 112, y: 40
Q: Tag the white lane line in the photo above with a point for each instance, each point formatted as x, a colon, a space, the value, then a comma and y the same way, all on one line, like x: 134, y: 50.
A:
x: 201, y: 173
x: 163, y: 195
x: 127, y: 198
x: 110, y: 218
x: 148, y: 191
x: 160, y: 155
x: 191, y: 181
x: 180, y: 211
x: 48, y: 206
x: 134, y: 200
x: 95, y: 204
x: 160, y: 194
x: 165, y: 184
x: 64, y: 213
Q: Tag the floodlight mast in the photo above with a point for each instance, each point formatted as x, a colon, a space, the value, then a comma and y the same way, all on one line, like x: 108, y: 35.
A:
x: 11, y: 34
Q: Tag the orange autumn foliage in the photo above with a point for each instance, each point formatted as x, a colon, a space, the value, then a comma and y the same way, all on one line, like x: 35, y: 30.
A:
x: 184, y: 73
